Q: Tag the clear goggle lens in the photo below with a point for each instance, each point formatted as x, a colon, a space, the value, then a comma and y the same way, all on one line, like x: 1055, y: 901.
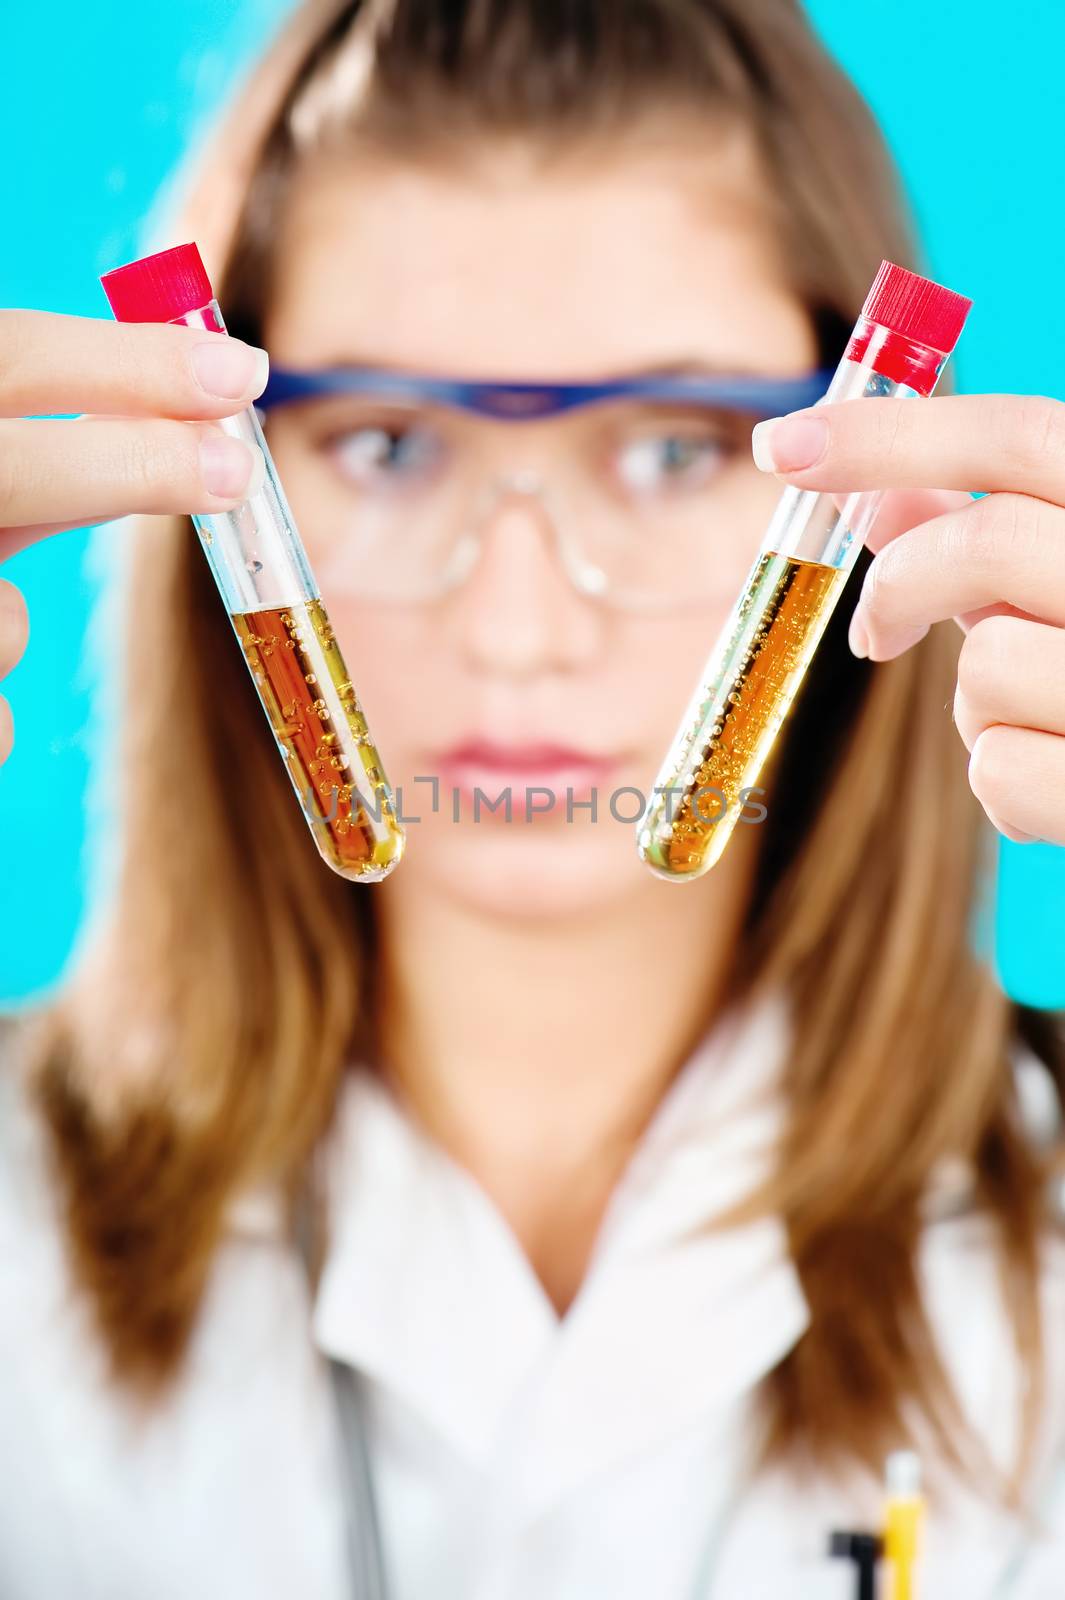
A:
x: 401, y: 493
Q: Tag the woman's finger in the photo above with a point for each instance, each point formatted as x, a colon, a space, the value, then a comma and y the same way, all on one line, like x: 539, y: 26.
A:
x: 52, y: 364
x: 65, y: 473
x: 1010, y: 670
x: 14, y: 626
x: 981, y: 442
x: 1005, y: 551
x: 12, y: 540
x: 7, y: 729
x: 902, y: 509
x: 1018, y: 775
x: 14, y: 633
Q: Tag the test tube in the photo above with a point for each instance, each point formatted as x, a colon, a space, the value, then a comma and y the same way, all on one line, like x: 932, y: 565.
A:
x: 265, y: 580
x: 907, y: 328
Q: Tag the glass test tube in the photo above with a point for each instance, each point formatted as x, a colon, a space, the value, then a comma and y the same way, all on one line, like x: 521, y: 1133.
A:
x: 907, y: 328
x: 267, y: 586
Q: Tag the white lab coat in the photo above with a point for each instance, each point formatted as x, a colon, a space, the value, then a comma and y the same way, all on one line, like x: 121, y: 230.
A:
x: 516, y: 1457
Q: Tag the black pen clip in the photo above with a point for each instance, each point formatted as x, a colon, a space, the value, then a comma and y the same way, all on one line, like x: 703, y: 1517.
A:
x: 865, y: 1550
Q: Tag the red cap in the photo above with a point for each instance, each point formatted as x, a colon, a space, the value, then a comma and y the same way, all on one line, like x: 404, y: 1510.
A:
x: 916, y: 307
x: 159, y: 288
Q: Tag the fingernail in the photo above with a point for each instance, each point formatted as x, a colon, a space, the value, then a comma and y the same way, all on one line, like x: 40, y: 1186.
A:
x: 787, y: 444
x: 857, y: 637
x: 231, y: 470
x: 228, y: 369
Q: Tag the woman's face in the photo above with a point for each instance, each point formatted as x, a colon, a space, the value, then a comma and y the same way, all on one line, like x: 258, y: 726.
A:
x: 641, y: 259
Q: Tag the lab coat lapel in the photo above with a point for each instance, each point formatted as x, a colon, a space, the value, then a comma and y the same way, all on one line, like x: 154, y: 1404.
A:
x: 676, y: 1321
x: 426, y: 1288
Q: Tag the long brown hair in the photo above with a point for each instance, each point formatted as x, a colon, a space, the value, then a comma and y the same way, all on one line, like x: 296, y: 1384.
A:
x: 200, y: 1047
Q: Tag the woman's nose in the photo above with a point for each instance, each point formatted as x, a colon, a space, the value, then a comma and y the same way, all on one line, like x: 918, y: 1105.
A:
x: 518, y: 612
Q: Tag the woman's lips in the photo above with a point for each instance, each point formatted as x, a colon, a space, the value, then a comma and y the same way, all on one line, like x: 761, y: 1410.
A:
x: 492, y: 768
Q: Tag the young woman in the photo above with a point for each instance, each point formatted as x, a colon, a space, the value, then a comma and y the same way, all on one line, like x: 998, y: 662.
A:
x: 523, y: 1225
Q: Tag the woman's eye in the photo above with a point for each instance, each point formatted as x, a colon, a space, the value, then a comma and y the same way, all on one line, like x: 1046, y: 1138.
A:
x: 670, y: 461
x: 379, y: 454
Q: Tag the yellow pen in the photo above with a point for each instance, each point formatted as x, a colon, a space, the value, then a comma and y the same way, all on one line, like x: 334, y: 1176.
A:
x: 903, y: 1519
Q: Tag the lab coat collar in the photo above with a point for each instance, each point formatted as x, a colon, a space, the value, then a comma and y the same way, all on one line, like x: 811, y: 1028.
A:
x: 426, y: 1289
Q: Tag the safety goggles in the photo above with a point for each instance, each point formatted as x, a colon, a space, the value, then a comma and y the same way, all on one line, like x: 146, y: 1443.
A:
x: 404, y: 473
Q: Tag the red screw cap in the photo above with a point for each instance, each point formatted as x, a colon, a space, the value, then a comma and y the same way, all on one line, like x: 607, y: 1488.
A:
x: 159, y: 288
x: 916, y: 307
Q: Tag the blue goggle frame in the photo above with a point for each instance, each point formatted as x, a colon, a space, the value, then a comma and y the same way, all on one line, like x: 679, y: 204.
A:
x: 524, y: 402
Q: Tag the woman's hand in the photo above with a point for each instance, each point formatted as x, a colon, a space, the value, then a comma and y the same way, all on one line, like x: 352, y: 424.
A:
x: 152, y: 447
x: 996, y: 565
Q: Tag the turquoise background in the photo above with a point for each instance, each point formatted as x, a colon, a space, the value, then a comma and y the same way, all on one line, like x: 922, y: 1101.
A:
x: 100, y: 100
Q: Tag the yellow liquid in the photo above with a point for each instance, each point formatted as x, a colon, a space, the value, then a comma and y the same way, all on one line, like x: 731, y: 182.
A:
x: 775, y: 628
x: 320, y: 728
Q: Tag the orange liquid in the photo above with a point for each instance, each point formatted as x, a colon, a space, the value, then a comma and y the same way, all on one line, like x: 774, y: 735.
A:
x: 319, y: 725
x: 776, y: 627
